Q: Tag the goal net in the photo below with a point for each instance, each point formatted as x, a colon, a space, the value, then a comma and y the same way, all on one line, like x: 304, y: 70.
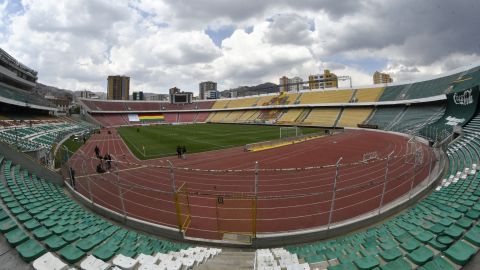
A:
x: 288, y: 132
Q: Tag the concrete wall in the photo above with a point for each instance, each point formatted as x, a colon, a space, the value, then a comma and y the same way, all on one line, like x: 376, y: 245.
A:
x: 29, y: 164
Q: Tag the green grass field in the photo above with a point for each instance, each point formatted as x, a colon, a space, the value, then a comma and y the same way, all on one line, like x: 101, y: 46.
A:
x: 162, y: 140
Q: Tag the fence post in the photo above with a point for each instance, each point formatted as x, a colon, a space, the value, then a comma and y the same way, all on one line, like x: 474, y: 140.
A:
x: 256, y: 179
x: 430, y: 169
x: 63, y: 157
x: 172, y: 176
x: 384, y: 182
x: 255, y: 203
x: 120, y: 192
x: 88, y: 182
x: 413, y: 178
x: 332, y: 204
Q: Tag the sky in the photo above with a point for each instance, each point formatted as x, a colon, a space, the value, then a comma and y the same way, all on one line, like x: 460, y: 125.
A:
x: 165, y: 43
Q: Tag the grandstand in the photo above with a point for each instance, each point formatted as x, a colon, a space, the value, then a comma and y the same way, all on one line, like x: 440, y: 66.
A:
x: 333, y: 202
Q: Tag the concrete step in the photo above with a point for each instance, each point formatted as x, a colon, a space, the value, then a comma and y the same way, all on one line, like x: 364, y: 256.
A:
x: 229, y: 260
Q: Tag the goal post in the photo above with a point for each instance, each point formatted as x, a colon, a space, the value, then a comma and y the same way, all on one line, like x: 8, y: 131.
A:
x: 182, y: 205
x: 414, y: 152
x: 288, y: 132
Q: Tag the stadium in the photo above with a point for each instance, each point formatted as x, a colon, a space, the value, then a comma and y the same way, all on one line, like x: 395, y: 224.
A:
x: 296, y: 176
x: 339, y: 179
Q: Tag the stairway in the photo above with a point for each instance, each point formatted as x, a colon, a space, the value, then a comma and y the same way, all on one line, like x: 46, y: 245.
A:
x: 338, y: 117
x: 225, y: 260
x: 303, y: 115
x: 353, y: 99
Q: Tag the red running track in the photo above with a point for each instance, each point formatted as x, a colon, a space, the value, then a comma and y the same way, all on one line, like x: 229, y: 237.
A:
x: 288, y: 200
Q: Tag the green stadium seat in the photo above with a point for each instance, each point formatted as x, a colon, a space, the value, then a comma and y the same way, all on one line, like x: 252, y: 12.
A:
x: 54, y: 242
x: 41, y: 233
x: 366, y: 263
x: 24, y: 217
x: 465, y: 222
x: 346, y: 266
x: 391, y: 254
x: 473, y: 236
x: 438, y: 263
x: 17, y: 210
x: 473, y: 214
x: 398, y: 264
x: 89, y: 242
x: 3, y: 215
x: 454, y: 231
x: 30, y: 250
x: 58, y: 229
x: 460, y: 252
x: 424, y: 236
x: 128, y: 250
x: 105, y: 251
x: 71, y: 254
x: 32, y: 224
x: 7, y: 225
x: 70, y: 236
x: 410, y: 244
x: 16, y: 237
x: 421, y: 255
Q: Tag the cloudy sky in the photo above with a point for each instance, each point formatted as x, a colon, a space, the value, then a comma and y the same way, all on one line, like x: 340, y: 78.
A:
x: 76, y: 44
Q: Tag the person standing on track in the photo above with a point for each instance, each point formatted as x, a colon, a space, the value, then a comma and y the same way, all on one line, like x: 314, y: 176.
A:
x: 106, y: 162
x: 109, y: 161
x: 179, y: 151
x: 97, y: 151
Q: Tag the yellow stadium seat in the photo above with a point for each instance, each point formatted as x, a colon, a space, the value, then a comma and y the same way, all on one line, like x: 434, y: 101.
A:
x: 218, y: 117
x: 220, y: 104
x: 353, y: 116
x: 290, y: 116
x: 326, y: 96
x: 369, y: 94
x: 232, y: 116
x: 325, y: 117
x: 248, y: 116
x: 242, y: 102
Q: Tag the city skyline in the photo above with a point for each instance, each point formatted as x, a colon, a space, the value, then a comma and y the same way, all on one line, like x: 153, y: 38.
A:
x: 161, y: 44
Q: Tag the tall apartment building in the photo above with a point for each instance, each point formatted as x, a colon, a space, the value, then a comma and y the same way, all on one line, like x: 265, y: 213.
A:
x: 208, y: 90
x: 379, y: 77
x: 118, y: 87
x: 322, y: 81
x: 294, y: 84
x: 138, y: 96
x: 283, y: 83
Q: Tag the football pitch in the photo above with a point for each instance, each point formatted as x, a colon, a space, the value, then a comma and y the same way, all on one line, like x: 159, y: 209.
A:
x: 147, y: 142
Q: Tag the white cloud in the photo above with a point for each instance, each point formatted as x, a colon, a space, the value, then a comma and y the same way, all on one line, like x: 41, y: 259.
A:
x: 77, y: 44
